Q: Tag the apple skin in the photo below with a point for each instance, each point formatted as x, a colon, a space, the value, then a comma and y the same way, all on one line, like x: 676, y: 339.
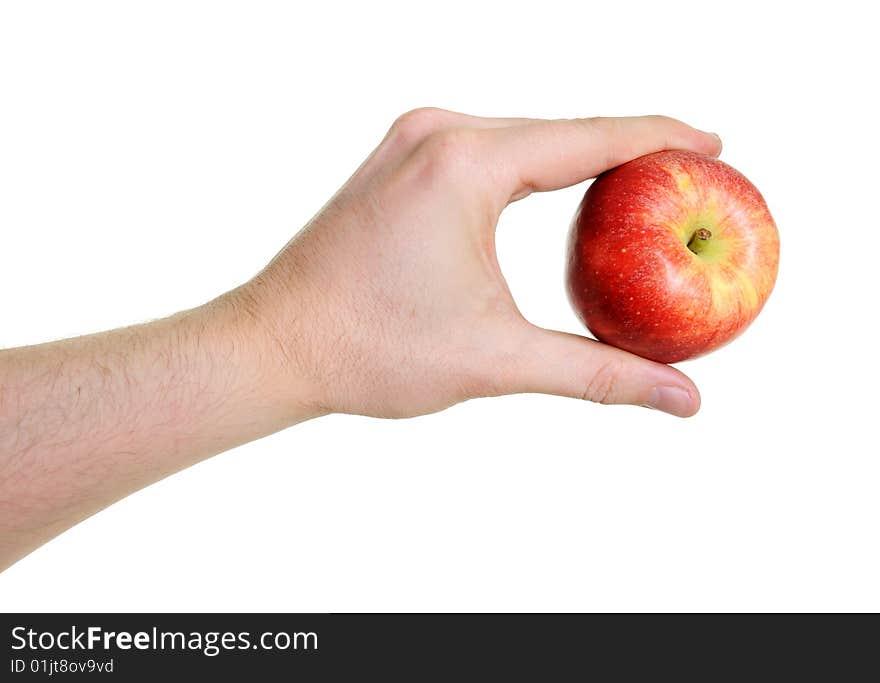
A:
x: 633, y: 280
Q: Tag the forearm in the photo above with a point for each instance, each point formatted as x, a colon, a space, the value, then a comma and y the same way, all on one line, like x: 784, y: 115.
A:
x: 86, y: 421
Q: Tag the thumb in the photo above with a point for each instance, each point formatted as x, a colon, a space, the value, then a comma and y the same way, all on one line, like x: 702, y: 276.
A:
x: 550, y: 362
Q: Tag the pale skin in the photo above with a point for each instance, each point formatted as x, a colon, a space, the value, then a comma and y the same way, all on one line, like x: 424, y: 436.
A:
x: 389, y: 303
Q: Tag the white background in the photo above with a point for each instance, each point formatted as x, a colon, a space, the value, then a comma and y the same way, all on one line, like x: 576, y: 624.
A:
x: 153, y: 155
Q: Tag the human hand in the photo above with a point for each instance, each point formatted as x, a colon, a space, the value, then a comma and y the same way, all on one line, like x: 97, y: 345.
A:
x: 391, y: 303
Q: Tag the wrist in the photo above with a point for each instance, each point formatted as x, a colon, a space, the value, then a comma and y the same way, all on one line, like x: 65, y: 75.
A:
x: 272, y: 360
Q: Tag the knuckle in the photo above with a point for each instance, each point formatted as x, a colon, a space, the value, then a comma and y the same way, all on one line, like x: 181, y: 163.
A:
x: 605, y: 132
x: 411, y: 127
x: 450, y: 150
x: 602, y: 385
x: 662, y: 120
x: 596, y: 124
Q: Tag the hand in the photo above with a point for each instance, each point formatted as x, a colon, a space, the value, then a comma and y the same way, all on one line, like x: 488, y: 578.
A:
x: 391, y: 302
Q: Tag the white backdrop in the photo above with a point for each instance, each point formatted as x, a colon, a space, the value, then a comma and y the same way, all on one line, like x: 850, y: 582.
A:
x: 153, y: 155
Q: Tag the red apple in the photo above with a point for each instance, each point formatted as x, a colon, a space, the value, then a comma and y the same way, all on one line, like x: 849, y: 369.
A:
x: 671, y: 255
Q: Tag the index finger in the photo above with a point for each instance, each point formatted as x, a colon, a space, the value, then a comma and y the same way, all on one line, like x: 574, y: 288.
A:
x: 549, y: 155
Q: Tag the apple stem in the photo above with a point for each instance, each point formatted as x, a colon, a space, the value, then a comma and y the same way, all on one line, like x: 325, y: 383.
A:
x: 700, y: 236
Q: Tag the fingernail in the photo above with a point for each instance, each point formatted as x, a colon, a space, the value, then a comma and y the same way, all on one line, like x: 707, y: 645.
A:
x: 672, y: 400
x: 718, y: 140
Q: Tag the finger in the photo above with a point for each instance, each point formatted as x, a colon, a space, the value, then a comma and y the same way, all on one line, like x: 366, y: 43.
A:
x: 455, y: 118
x: 548, y: 155
x: 563, y: 364
x: 411, y: 128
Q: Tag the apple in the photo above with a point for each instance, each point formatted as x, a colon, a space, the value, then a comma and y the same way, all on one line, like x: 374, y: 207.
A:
x: 671, y: 255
